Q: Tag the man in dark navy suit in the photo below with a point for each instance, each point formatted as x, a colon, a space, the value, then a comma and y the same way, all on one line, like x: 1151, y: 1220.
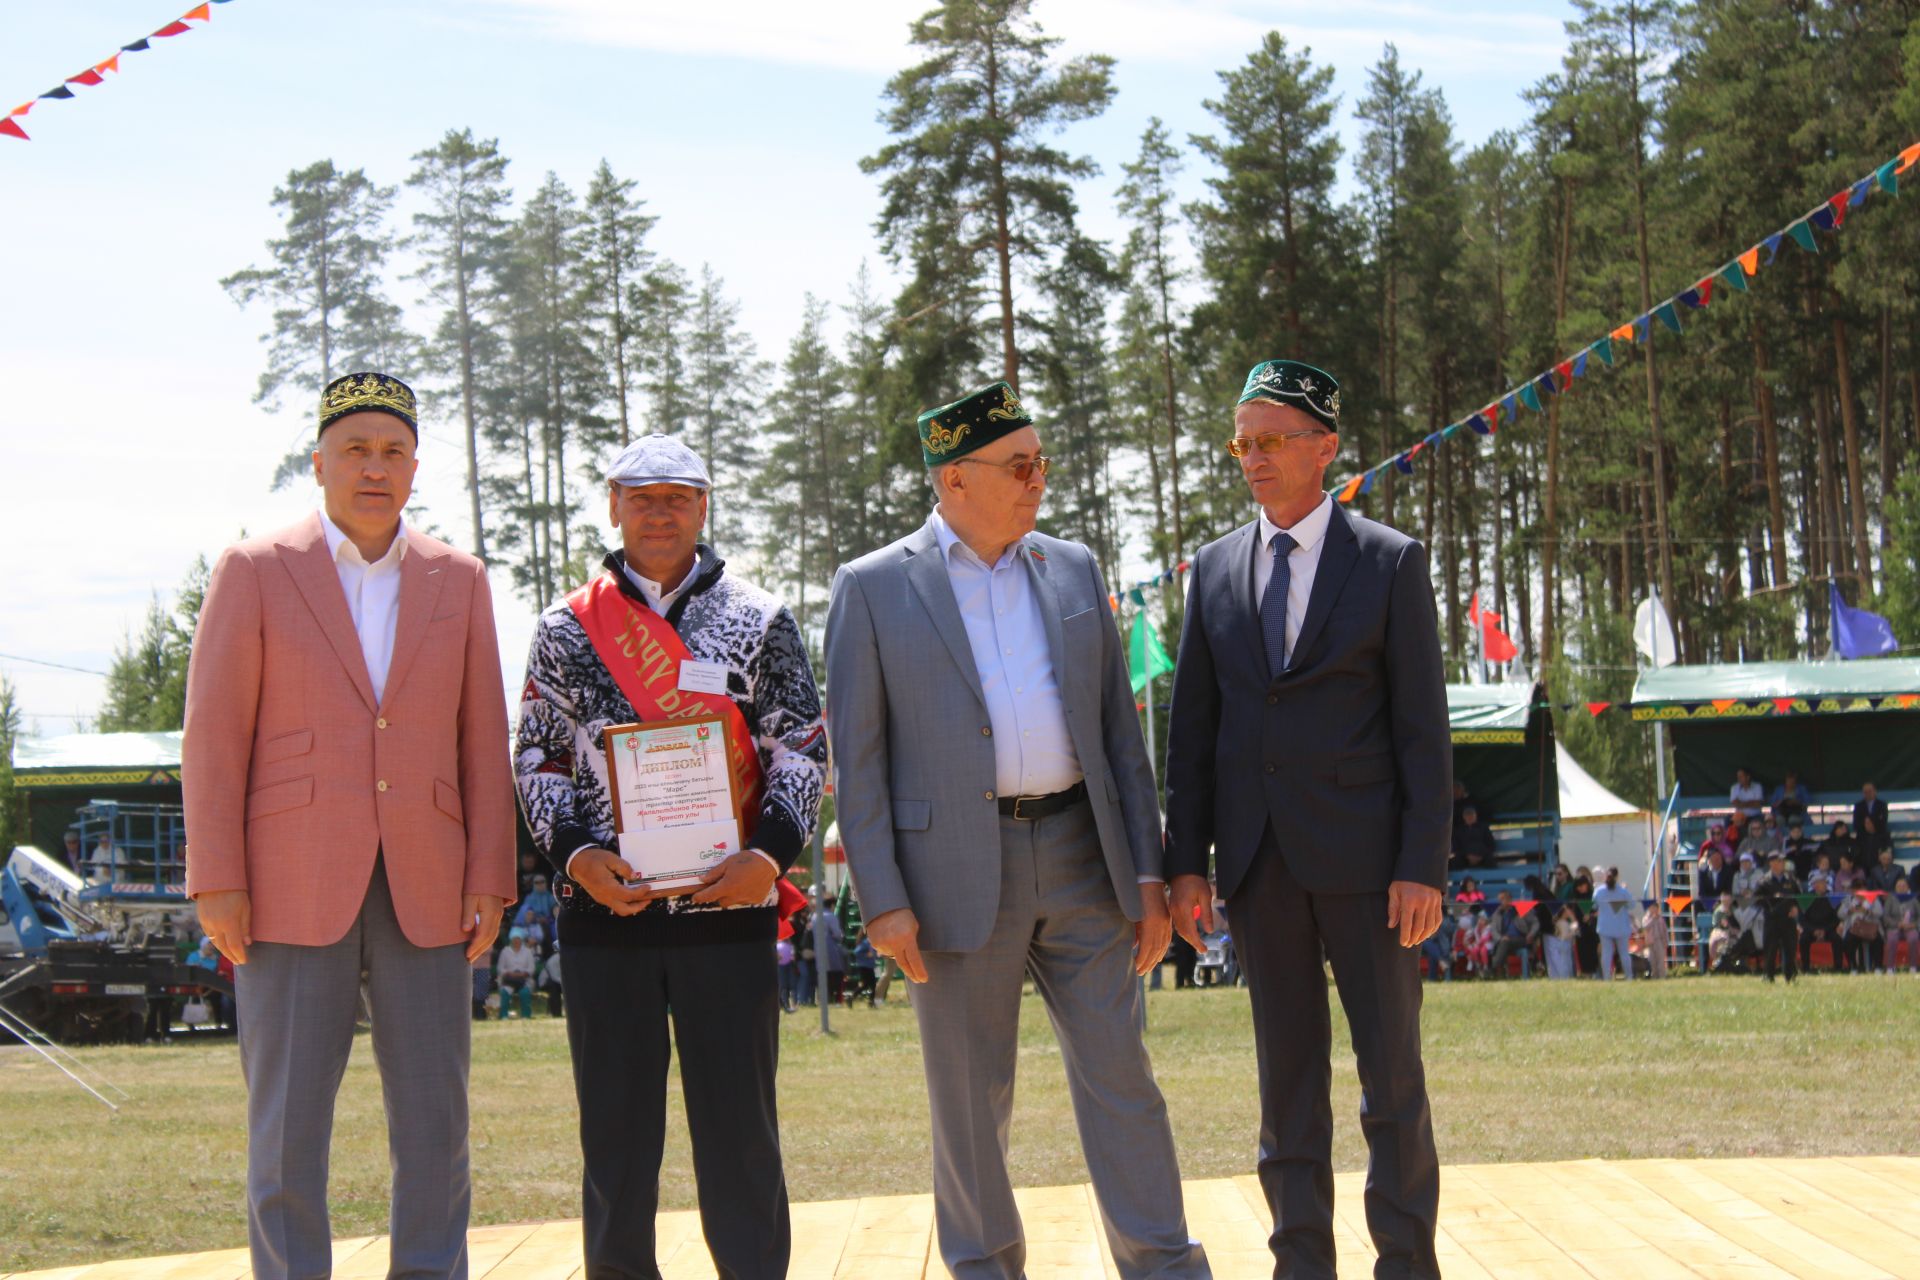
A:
x: 1309, y: 753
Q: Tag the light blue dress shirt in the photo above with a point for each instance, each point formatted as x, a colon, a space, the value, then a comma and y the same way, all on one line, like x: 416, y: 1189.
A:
x: 1033, y: 752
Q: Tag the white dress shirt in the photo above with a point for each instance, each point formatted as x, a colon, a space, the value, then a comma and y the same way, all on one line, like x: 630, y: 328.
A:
x: 1033, y: 752
x: 1309, y: 535
x: 373, y: 596
x: 662, y: 600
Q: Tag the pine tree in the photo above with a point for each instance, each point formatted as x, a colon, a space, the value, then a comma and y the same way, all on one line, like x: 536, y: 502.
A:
x: 806, y: 471
x: 724, y: 374
x: 12, y: 729
x: 615, y: 267
x: 330, y: 312
x: 463, y: 237
x: 972, y: 170
x: 1146, y: 202
x: 1079, y: 427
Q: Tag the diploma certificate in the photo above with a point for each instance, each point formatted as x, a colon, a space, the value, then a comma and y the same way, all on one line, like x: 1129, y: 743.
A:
x: 673, y: 801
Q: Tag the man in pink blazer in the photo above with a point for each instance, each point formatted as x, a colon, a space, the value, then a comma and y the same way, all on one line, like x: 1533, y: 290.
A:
x: 349, y: 820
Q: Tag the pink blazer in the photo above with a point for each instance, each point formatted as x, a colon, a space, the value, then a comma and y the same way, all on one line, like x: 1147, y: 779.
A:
x: 295, y: 778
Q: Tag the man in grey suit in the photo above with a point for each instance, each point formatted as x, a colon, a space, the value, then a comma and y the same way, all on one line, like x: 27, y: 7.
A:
x: 1308, y: 752
x: 999, y: 818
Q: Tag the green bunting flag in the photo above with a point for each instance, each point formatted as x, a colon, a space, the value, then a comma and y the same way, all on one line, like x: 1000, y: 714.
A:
x: 1530, y: 397
x: 1668, y: 315
x: 1604, y: 349
x: 1146, y: 656
x: 1733, y: 277
x: 1802, y: 233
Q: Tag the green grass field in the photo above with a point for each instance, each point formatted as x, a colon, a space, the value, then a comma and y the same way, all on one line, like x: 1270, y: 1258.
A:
x: 1518, y: 1072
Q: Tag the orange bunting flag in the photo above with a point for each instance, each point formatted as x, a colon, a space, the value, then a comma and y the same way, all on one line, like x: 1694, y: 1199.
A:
x: 1908, y: 157
x: 202, y: 14
x: 1750, y: 261
x: 1724, y: 705
x: 1623, y: 334
x: 1679, y: 902
x: 111, y: 64
x: 1907, y: 699
x: 21, y: 110
x: 1351, y: 488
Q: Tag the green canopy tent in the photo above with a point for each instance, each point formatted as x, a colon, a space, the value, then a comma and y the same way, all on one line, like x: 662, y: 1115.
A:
x: 1503, y: 753
x: 60, y: 774
x: 1836, y: 724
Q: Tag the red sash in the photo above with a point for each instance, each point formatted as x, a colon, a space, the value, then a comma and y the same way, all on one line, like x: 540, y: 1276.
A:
x: 643, y: 655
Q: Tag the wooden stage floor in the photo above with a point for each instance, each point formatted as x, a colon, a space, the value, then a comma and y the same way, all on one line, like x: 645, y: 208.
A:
x: 1851, y: 1218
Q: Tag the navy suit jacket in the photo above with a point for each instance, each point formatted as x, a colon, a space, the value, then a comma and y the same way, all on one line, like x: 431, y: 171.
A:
x: 1346, y: 752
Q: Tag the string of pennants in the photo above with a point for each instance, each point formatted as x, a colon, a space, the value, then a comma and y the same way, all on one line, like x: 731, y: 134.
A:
x: 1765, y: 706
x: 1677, y: 904
x: 1729, y: 278
x: 98, y: 72
x: 1136, y: 595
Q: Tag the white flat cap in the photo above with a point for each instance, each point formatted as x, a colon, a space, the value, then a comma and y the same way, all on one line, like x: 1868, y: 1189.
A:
x: 658, y: 459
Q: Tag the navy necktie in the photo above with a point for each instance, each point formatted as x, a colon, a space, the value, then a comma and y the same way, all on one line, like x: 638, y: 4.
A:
x: 1273, y: 606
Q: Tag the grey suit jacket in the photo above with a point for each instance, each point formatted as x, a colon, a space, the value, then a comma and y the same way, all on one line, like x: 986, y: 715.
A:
x: 912, y: 756
x: 1346, y: 753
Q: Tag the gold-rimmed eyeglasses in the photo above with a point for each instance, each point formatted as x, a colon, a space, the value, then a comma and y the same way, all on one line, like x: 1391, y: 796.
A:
x: 1022, y: 468
x: 1270, y: 442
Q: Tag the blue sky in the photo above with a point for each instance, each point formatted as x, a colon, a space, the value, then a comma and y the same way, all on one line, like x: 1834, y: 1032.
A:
x: 127, y: 426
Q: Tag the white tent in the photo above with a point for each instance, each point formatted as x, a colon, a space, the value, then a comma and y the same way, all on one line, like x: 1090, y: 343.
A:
x: 1598, y: 828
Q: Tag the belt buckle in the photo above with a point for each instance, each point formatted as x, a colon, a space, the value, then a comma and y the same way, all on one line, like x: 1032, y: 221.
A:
x: 1019, y: 816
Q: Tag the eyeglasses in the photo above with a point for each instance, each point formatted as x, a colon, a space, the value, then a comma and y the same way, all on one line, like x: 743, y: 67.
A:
x: 1271, y: 442
x: 1022, y: 468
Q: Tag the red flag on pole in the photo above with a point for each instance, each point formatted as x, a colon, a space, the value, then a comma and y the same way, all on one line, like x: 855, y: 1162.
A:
x: 1495, y: 644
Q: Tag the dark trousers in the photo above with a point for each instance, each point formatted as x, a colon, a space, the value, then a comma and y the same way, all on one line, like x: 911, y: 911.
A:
x: 1282, y: 930
x: 1783, y: 947
x: 724, y: 1004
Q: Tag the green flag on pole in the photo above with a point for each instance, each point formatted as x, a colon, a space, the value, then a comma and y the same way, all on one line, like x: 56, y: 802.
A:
x: 1146, y: 656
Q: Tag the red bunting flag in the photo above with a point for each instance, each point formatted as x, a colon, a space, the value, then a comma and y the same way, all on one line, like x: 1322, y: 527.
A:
x: 1524, y: 905
x: 1838, y: 203
x: 88, y: 77
x: 1782, y: 705
x: 1595, y: 708
x: 173, y: 29
x: 1705, y: 288
x: 201, y: 14
x: 1564, y: 373
x: 12, y: 130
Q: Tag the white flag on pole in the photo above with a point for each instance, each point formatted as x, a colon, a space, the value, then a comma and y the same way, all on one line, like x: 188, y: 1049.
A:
x: 1653, y: 632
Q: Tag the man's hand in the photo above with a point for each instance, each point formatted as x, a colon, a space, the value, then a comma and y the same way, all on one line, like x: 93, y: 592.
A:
x: 602, y: 874
x: 743, y: 880
x: 227, y: 918
x: 896, y: 934
x: 1189, y: 893
x: 1413, y: 909
x: 480, y: 916
x: 1155, y: 930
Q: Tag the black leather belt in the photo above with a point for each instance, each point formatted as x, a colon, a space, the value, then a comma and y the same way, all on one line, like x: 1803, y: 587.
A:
x: 1033, y: 808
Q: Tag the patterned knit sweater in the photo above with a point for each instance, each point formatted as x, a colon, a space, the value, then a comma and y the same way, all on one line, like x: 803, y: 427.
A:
x: 569, y: 700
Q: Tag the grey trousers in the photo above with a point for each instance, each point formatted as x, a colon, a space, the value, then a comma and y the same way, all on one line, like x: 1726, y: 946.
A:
x: 297, y: 1011
x: 1057, y: 920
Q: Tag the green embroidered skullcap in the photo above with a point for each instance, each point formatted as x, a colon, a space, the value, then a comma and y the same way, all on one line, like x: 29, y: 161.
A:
x: 1299, y: 386
x: 974, y: 420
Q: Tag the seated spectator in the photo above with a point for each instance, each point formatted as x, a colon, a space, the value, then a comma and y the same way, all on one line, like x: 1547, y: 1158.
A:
x: 518, y: 964
x: 1820, y: 922
x: 1725, y: 932
x: 1861, y: 929
x: 1789, y: 799
x: 537, y: 910
x: 1800, y: 851
x: 1514, y: 933
x: 1870, y: 805
x: 1746, y: 797
x: 1472, y: 840
x: 1746, y: 879
x: 1561, y: 882
x: 550, y: 983
x: 1437, y: 950
x: 75, y: 859
x: 482, y: 967
x: 1762, y: 839
x: 205, y: 956
x: 1838, y: 845
x: 1469, y: 891
x: 1713, y: 878
x: 1844, y: 873
x: 1460, y: 799
x: 1479, y: 946
x: 1901, y: 916
x: 1820, y: 879
x: 1560, y: 944
x: 1885, y: 873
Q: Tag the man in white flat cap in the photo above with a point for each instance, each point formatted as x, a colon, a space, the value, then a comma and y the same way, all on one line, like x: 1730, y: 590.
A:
x: 666, y: 633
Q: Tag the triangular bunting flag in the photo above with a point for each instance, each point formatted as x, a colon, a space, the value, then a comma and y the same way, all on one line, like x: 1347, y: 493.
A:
x: 1668, y: 315
x: 1403, y: 463
x: 1837, y: 206
x: 197, y: 15
x: 173, y: 29
x: 22, y: 109
x: 1579, y: 366
x: 1884, y: 175
x: 111, y: 64
x: 1595, y: 708
x: 1706, y: 290
x: 1858, y: 196
x: 1524, y: 905
x: 1907, y: 157
x: 1907, y: 699
x: 1802, y: 234
x: 1724, y: 705
x: 1510, y: 407
x: 1564, y: 372
x: 1772, y: 244
x: 1750, y: 261
x: 88, y: 77
x: 1733, y: 277
x: 1349, y: 489
x: 1824, y: 218
x: 1782, y: 705
x: 1136, y: 595
x: 1366, y: 480
x: 1691, y: 297
x: 1479, y: 423
x: 1679, y: 902
x: 1623, y: 334
x: 1604, y: 349
x: 60, y: 92
x: 138, y: 46
x: 13, y: 130
x: 1530, y: 397
x: 1640, y: 326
